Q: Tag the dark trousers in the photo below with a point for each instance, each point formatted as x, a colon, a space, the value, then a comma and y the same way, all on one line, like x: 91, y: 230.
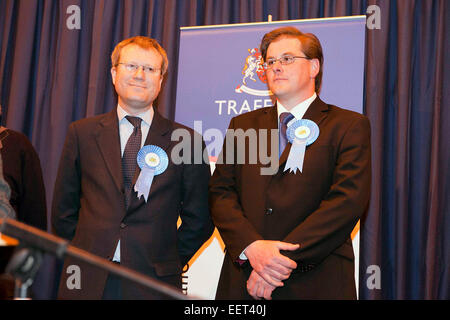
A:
x: 113, y: 288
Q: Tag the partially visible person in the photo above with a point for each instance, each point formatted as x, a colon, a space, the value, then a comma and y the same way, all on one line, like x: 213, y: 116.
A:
x: 22, y: 171
x: 6, y: 211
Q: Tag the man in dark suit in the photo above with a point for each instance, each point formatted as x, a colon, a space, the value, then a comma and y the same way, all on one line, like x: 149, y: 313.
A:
x: 95, y: 204
x: 287, y: 235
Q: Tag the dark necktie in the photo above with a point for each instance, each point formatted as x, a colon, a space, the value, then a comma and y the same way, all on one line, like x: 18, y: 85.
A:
x: 285, y: 117
x: 129, y: 157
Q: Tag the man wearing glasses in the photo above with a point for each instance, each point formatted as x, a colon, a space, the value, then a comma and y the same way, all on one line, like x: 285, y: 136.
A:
x: 96, y: 204
x: 287, y: 235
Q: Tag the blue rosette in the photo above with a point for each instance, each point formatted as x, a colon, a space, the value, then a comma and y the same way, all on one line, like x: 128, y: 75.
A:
x: 153, y: 161
x: 300, y: 134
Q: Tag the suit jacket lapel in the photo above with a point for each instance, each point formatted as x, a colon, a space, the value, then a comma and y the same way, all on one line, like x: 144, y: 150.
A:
x: 317, y: 111
x: 157, y: 134
x: 269, y: 121
x: 108, y: 141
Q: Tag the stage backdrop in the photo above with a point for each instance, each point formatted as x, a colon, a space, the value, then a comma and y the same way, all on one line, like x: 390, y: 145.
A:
x: 220, y: 76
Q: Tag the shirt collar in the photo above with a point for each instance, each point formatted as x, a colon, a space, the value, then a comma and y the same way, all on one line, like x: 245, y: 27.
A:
x: 299, y: 110
x: 146, y: 116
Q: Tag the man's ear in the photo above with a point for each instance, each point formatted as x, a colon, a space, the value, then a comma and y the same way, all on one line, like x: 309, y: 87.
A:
x: 113, y: 75
x: 315, y: 67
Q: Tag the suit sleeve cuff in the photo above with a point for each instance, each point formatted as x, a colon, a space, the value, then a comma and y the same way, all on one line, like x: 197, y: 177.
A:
x: 242, y: 260
x: 242, y: 256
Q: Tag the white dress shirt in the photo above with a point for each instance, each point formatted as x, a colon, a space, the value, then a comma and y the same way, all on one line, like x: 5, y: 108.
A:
x: 125, y: 131
x: 298, y: 111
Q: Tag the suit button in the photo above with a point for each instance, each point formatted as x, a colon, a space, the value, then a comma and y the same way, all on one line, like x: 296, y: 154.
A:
x: 122, y: 225
x: 269, y: 211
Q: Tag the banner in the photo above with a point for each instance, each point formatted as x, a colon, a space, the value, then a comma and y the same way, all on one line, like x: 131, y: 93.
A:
x: 220, y: 76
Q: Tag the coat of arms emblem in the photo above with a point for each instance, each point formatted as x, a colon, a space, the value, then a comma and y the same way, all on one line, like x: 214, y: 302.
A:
x: 253, y: 68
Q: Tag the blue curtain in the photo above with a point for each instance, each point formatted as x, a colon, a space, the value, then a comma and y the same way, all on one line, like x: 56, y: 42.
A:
x: 51, y: 75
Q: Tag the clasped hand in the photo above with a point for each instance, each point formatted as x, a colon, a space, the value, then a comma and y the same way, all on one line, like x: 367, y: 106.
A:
x: 270, y: 267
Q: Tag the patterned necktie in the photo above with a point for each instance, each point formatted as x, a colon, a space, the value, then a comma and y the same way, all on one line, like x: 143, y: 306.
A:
x: 285, y: 117
x: 129, y: 158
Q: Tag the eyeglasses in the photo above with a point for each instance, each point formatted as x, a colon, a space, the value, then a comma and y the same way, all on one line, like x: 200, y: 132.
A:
x: 134, y: 67
x: 284, y: 60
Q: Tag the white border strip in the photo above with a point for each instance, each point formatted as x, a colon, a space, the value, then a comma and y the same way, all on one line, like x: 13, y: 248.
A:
x: 272, y: 22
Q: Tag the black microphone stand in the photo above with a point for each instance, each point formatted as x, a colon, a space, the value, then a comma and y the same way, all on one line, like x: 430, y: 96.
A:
x: 34, y: 242
x: 23, y: 266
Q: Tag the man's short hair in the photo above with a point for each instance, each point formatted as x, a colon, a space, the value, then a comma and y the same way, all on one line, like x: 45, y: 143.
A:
x: 311, y: 47
x: 144, y: 43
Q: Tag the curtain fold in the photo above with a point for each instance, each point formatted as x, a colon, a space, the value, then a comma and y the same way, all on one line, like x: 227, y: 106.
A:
x: 52, y: 75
